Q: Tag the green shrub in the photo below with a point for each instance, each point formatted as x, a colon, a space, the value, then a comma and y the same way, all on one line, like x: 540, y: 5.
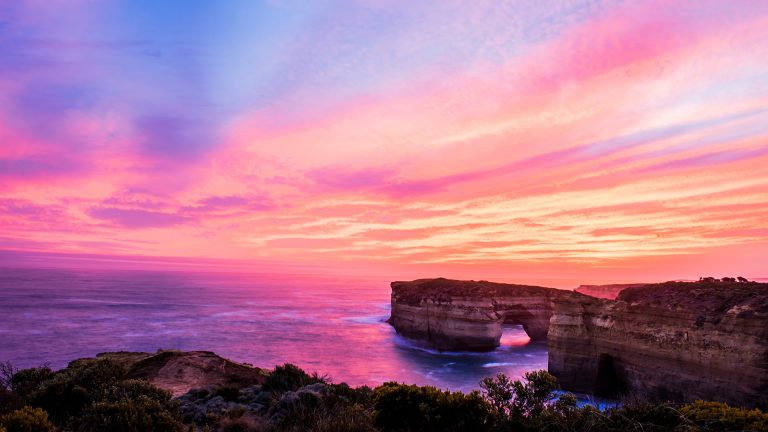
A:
x: 141, y: 414
x: 27, y: 381
x: 400, y: 407
x: 650, y: 417
x: 518, y: 402
x: 228, y: 392
x: 130, y: 405
x: 95, y: 373
x: 62, y: 399
x: 9, y: 401
x: 716, y: 416
x: 289, y: 377
x: 243, y: 424
x: 334, y: 409
x: 340, y: 418
x: 6, y: 374
x: 136, y: 389
x: 27, y: 419
x: 73, y: 389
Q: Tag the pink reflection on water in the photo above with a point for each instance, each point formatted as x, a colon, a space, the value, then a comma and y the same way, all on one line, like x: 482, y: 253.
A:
x: 514, y: 336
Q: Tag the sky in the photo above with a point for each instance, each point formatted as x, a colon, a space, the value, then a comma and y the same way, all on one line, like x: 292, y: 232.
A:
x: 523, y: 140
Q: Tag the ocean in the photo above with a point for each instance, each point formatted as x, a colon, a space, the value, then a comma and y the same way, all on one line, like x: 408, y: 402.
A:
x: 333, y: 326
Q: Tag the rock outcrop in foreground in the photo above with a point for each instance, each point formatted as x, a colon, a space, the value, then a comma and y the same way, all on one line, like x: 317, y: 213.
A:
x: 680, y: 341
x: 180, y: 371
x: 469, y: 315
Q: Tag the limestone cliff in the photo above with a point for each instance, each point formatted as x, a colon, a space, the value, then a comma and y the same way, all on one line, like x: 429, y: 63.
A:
x: 468, y: 315
x: 609, y: 292
x: 679, y: 341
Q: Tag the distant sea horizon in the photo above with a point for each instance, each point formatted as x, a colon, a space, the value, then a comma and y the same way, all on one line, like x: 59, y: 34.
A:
x: 334, y: 326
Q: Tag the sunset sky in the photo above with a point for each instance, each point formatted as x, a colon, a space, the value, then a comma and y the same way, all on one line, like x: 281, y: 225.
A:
x: 526, y: 140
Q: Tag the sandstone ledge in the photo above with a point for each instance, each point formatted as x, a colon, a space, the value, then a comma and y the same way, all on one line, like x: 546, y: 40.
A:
x: 181, y: 371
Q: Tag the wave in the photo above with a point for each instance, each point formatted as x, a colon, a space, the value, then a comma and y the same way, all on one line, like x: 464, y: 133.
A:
x: 371, y: 319
x: 492, y: 365
x: 403, y: 342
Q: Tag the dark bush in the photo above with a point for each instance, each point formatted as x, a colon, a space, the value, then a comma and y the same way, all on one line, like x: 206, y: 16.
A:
x: 128, y: 415
x: 7, y: 371
x: 9, y: 400
x: 135, y: 389
x: 524, y: 404
x: 243, y: 424
x: 650, y: 417
x: 27, y: 419
x: 228, y: 392
x: 131, y: 405
x: 27, y: 381
x: 289, y: 377
x: 716, y: 416
x: 325, y: 408
x: 95, y: 373
x: 525, y: 398
x: 400, y: 407
x: 62, y: 399
x: 73, y: 389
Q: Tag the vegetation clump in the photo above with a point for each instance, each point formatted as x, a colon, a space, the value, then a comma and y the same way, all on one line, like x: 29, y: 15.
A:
x: 97, y: 395
x: 27, y: 419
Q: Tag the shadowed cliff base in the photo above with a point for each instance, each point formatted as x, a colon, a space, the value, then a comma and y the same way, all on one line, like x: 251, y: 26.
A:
x: 677, y: 341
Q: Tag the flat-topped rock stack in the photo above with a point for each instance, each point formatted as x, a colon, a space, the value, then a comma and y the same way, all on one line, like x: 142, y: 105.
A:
x: 469, y: 315
x: 679, y: 341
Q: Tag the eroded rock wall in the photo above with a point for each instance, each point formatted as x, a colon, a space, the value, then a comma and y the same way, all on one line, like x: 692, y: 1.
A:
x: 469, y: 315
x: 676, y: 341
x: 609, y: 292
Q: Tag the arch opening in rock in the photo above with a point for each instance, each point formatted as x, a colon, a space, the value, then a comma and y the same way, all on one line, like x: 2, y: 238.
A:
x: 514, y: 335
x: 609, y: 381
x: 535, y: 327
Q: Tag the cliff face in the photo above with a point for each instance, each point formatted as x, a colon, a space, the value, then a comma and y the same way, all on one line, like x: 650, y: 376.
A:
x: 678, y: 341
x: 609, y: 292
x: 469, y: 315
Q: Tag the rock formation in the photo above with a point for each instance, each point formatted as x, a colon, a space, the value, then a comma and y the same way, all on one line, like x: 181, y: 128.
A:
x: 680, y: 341
x: 180, y: 371
x: 609, y: 292
x: 469, y: 315
x: 677, y: 340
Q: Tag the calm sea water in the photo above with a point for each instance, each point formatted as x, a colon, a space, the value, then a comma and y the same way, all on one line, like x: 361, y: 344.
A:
x: 332, y: 326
